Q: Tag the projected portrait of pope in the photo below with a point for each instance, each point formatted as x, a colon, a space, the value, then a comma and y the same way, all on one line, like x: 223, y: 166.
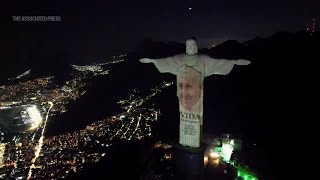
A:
x: 189, y: 88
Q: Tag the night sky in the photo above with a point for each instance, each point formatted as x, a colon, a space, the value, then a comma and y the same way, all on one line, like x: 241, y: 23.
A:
x: 116, y: 26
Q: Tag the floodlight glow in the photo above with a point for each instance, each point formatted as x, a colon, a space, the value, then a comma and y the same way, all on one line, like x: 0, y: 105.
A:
x: 217, y: 149
x: 205, y: 159
x: 214, y: 155
x: 35, y: 116
x: 232, y: 142
x: 216, y: 162
x: 246, y: 175
x: 227, y: 150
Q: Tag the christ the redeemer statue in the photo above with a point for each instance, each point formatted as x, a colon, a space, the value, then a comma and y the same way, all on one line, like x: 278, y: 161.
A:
x: 191, y: 69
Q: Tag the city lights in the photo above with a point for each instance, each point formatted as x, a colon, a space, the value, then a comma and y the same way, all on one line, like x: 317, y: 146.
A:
x: 38, y: 157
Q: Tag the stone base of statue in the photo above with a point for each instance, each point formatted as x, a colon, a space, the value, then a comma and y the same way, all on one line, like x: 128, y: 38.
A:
x: 189, y: 162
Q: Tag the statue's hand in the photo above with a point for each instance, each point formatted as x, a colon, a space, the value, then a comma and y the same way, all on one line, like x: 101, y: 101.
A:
x: 242, y: 62
x: 146, y: 60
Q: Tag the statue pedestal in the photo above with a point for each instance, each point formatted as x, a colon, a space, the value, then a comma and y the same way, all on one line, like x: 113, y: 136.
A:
x: 189, y: 162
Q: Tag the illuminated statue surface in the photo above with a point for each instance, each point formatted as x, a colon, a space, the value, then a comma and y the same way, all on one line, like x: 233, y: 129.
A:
x: 190, y: 70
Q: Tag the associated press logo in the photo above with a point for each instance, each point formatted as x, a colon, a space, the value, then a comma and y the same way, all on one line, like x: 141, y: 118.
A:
x: 36, y: 18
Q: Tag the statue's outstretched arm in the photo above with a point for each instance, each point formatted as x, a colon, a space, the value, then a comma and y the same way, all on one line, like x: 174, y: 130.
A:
x: 164, y: 65
x: 242, y: 62
x: 146, y: 60
x: 221, y: 66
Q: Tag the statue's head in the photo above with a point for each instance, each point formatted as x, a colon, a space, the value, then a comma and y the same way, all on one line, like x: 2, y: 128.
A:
x: 191, y: 46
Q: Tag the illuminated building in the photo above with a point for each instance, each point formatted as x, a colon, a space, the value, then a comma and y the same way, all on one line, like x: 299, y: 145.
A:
x: 20, y: 118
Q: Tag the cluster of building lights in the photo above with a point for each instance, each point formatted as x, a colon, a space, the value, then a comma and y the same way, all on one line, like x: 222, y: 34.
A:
x: 311, y: 28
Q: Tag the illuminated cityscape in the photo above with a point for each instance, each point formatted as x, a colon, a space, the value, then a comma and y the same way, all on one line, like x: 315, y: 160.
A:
x: 31, y: 155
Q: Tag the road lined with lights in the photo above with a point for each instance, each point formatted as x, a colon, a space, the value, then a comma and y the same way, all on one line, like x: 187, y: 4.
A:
x: 40, y: 142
